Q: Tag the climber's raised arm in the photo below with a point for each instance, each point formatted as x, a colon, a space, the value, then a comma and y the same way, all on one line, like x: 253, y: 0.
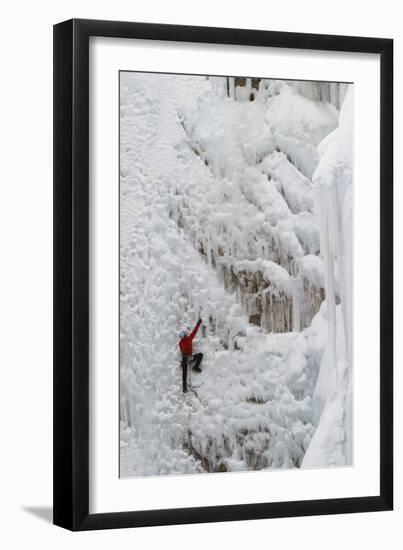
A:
x: 194, y: 331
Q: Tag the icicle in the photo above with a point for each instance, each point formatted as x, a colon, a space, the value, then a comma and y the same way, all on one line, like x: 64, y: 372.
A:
x: 296, y: 304
x: 328, y: 231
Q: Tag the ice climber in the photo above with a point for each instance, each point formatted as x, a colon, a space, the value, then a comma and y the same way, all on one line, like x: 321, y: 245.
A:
x: 188, y: 359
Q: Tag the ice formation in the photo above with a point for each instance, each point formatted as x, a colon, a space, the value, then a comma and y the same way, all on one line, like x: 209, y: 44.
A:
x: 236, y: 207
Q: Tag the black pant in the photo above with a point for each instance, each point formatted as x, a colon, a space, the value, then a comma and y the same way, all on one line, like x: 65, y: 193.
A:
x: 193, y: 361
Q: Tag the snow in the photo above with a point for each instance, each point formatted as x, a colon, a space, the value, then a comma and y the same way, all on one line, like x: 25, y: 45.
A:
x: 299, y: 125
x: 311, y: 267
x: 219, y: 219
x: 296, y: 188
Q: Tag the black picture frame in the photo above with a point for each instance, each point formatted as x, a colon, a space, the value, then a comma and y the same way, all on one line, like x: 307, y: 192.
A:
x: 71, y: 273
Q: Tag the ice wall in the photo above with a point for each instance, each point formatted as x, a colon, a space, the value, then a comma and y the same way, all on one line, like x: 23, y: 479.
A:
x: 219, y: 219
x: 248, y: 206
x: 333, y: 180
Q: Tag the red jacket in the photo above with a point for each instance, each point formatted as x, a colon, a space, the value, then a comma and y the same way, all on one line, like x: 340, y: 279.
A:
x: 185, y: 344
